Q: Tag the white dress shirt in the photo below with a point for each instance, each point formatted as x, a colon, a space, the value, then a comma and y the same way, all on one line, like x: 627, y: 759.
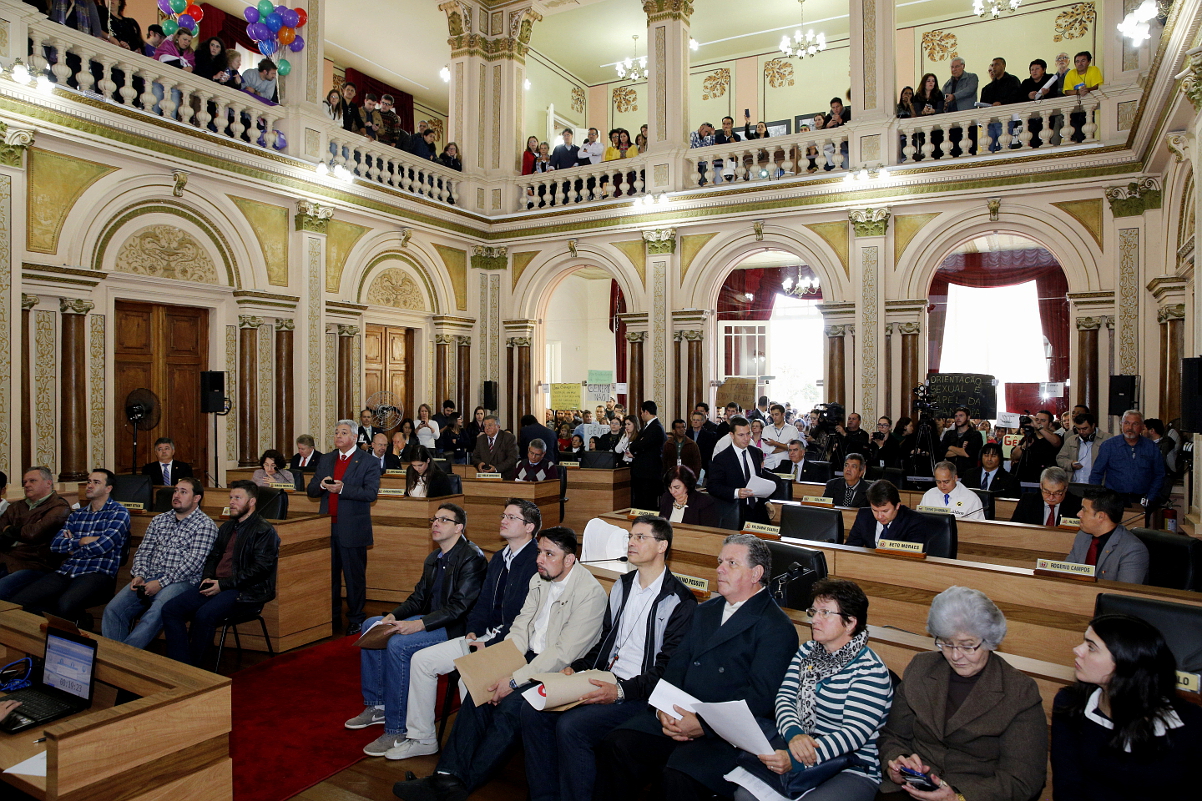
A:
x: 632, y: 628
x: 729, y: 609
x: 961, y: 501
x: 785, y: 434
x: 595, y: 151
x: 538, y: 637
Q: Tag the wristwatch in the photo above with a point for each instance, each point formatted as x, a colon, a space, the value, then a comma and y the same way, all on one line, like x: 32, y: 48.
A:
x: 621, y: 693
x: 513, y: 685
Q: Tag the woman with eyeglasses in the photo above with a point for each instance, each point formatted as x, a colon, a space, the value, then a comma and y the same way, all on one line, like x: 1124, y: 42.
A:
x: 964, y: 720
x: 829, y: 709
x: 682, y: 503
x: 1121, y: 731
x: 423, y: 478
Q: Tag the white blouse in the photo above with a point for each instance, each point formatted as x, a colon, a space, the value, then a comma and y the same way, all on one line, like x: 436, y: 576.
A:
x: 677, y: 513
x: 427, y: 436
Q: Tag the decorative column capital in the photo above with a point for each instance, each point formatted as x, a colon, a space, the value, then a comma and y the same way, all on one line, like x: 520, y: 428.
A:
x: 444, y: 339
x: 1135, y: 198
x: 285, y: 324
x: 889, y: 329
x: 660, y: 241
x: 693, y: 336
x: 313, y: 217
x: 464, y: 342
x: 1175, y: 311
x: 869, y: 222
x: 1089, y: 323
x: 1178, y: 144
x: 75, y: 306
x: 994, y: 204
x: 493, y: 39
x: 518, y: 342
x: 348, y: 330
x: 249, y: 321
x: 1108, y: 321
x: 28, y: 301
x: 834, y: 331
x: 636, y: 336
x: 659, y: 10
x: 1191, y: 78
x: 909, y: 328
x: 487, y: 257
x: 12, y: 152
x: 678, y: 336
x: 179, y: 180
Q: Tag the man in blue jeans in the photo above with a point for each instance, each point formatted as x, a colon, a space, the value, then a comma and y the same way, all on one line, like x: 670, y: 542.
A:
x: 238, y: 578
x: 435, y: 611
x: 168, y: 561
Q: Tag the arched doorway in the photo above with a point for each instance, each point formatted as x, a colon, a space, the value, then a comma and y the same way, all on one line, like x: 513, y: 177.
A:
x: 768, y: 324
x: 581, y: 329
x: 999, y: 306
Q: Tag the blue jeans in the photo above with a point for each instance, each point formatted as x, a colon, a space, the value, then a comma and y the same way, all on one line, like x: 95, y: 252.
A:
x: 125, y: 606
x: 384, y: 673
x: 995, y: 133
x: 14, y: 582
x: 560, y: 764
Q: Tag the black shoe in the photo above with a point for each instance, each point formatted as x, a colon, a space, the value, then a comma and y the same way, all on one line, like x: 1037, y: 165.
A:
x: 353, y: 628
x: 415, y: 790
x: 448, y: 787
x: 410, y: 776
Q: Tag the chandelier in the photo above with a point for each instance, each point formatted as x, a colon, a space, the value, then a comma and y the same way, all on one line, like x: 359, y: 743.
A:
x: 634, y: 68
x: 1136, y: 26
x: 805, y: 287
x: 807, y: 44
x: 994, y: 8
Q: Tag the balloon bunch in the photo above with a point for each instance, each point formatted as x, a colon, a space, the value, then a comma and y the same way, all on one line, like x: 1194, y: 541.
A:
x: 274, y: 28
x: 180, y: 14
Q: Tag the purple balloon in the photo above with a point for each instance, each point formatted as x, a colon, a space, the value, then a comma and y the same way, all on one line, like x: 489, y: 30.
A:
x: 251, y: 14
x: 298, y: 44
x: 165, y: 7
x: 186, y: 21
x: 258, y: 31
x: 280, y: 10
x: 280, y: 142
x: 290, y: 17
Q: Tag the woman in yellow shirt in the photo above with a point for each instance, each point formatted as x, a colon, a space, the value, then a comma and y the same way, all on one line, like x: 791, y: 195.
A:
x: 614, y: 151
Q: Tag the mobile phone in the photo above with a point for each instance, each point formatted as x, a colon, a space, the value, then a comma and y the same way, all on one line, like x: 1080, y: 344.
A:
x: 746, y: 112
x: 919, y: 781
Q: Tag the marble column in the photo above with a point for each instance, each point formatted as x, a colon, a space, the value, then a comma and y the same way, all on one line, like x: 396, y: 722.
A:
x: 909, y: 365
x: 634, y: 371
x: 346, y: 372
x: 26, y: 416
x: 285, y: 400
x: 837, y: 390
x: 248, y: 390
x: 442, y: 368
x: 73, y: 389
x: 889, y: 411
x: 677, y: 369
x: 463, y: 379
x: 696, y: 368
x: 522, y: 357
x: 511, y: 380
x: 1172, y: 321
x: 1087, y: 361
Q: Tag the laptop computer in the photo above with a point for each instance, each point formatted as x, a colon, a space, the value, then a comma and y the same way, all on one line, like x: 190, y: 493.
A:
x: 66, y: 686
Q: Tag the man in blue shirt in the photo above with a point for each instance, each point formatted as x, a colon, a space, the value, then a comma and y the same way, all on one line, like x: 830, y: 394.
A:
x: 95, y: 536
x: 1130, y: 465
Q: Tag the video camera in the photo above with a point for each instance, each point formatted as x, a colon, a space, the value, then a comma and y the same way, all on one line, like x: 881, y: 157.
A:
x: 830, y: 414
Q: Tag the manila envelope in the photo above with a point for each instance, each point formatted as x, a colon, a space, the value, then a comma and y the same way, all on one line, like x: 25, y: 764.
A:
x: 481, y: 669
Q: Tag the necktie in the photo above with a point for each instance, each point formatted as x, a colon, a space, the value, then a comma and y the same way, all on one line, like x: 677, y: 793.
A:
x: 343, y: 457
x: 985, y: 481
x: 747, y: 475
x: 1091, y: 558
x: 884, y: 532
x: 797, y: 471
x: 491, y: 440
x: 1051, y: 516
x: 947, y: 499
x: 848, y: 494
x: 167, y: 475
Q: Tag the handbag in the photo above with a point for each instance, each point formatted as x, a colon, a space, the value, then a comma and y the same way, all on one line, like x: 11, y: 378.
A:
x: 800, y: 779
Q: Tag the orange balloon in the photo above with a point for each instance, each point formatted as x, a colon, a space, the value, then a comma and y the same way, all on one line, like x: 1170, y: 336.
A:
x: 285, y: 35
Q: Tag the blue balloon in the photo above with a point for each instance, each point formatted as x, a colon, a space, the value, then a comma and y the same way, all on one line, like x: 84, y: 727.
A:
x: 280, y: 142
x: 252, y: 15
x: 273, y: 22
x: 298, y: 44
x: 267, y: 47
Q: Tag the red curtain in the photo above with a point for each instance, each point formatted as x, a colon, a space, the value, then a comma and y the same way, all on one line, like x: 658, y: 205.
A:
x: 230, y: 29
x: 404, y: 100
x: 617, y: 305
x: 1006, y: 268
x: 1026, y: 398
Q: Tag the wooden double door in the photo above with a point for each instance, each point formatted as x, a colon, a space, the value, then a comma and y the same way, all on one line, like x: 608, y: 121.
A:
x: 388, y: 365
x: 164, y: 349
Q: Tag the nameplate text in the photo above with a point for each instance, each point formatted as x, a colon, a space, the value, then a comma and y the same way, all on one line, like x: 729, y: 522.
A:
x: 1066, y: 568
x: 570, y: 465
x: 761, y: 528
x: 817, y: 500
x: 133, y: 507
x: 283, y: 485
x: 488, y: 476
x: 899, y: 545
x: 939, y: 510
x: 394, y: 471
x: 1073, y: 523
x: 393, y: 491
x: 1188, y: 681
x: 633, y: 513
x: 693, y: 583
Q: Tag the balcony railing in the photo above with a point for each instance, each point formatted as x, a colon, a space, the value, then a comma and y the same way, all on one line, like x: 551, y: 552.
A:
x: 576, y: 186
x: 353, y: 156
x: 768, y: 159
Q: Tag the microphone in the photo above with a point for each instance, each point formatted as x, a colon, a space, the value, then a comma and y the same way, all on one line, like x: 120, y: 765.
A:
x: 594, y: 561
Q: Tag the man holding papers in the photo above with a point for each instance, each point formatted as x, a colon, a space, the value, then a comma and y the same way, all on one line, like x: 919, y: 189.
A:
x: 499, y: 602
x: 648, y: 614
x: 434, y: 611
x: 559, y: 622
x: 737, y: 648
x: 950, y: 494
x: 732, y: 469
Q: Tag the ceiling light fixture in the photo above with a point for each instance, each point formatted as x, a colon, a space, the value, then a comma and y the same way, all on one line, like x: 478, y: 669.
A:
x: 693, y: 43
x: 1136, y: 26
x: 804, y: 45
x: 634, y: 68
x: 994, y: 8
x: 445, y: 74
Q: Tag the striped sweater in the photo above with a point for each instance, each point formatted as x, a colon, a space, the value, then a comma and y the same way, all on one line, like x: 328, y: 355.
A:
x: 852, y: 707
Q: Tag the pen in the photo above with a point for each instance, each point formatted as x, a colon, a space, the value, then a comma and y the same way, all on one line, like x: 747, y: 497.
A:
x: 40, y: 740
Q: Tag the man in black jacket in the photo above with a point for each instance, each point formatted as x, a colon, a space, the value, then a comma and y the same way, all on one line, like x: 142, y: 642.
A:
x: 531, y: 430
x: 166, y: 471
x: 644, y: 623
x: 851, y: 489
x: 992, y: 475
x: 701, y: 432
x: 646, y: 471
x: 1003, y: 90
x: 306, y: 456
x: 1053, y: 502
x: 499, y: 602
x: 380, y: 454
x: 886, y: 518
x: 238, y: 577
x: 434, y: 612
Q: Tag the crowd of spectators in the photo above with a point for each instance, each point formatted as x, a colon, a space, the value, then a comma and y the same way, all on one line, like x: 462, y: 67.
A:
x: 377, y: 119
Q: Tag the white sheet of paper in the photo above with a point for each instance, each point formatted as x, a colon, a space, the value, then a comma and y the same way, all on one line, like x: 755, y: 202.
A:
x: 34, y: 766
x: 762, y: 487
x: 1008, y: 419
x: 733, y: 722
x: 665, y: 696
x: 603, y: 540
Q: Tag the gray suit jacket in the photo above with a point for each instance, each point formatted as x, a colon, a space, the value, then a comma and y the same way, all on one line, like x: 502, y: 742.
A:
x: 1072, y: 447
x: 1125, y: 558
x: 360, y: 486
x: 966, y: 91
x: 573, y: 628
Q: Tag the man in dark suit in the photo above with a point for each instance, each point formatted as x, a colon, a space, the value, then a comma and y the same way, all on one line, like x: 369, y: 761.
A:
x: 708, y: 424
x: 532, y: 430
x: 701, y: 432
x: 496, y: 451
x: 992, y: 475
x: 732, y: 468
x: 347, y: 480
x: 800, y: 468
x: 851, y: 489
x: 886, y: 518
x: 306, y: 456
x: 380, y: 454
x: 723, y: 428
x: 1053, y: 502
x: 647, y: 470
x: 367, y: 430
x: 727, y: 655
x: 166, y: 470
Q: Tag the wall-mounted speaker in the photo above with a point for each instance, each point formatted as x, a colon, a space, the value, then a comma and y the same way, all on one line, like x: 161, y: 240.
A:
x: 491, y: 395
x: 1124, y: 394
x: 212, y: 392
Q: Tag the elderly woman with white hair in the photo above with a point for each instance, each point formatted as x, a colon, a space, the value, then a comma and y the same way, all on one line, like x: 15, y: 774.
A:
x: 965, y: 724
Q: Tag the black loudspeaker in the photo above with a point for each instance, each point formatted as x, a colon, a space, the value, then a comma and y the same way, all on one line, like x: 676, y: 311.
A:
x: 1123, y: 394
x: 1191, y: 395
x: 212, y: 392
x: 490, y: 395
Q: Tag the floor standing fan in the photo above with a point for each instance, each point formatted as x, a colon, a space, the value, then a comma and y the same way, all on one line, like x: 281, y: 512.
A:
x: 385, y: 410
x: 143, y: 411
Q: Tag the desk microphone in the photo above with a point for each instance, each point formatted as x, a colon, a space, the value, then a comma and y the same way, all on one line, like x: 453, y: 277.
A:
x: 594, y: 561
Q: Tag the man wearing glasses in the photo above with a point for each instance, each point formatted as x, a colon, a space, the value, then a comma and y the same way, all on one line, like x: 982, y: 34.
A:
x: 1053, y: 502
x: 498, y: 603
x: 1080, y: 448
x: 437, y: 609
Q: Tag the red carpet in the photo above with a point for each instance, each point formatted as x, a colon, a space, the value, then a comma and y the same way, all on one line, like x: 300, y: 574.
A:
x: 287, y: 721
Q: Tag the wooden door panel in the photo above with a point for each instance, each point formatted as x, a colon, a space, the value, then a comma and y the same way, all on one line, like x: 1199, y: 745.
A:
x: 183, y: 331
x: 129, y: 376
x: 132, y: 334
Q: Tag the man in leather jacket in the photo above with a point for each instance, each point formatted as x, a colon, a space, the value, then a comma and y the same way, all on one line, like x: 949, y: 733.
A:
x: 238, y: 577
x: 435, y: 612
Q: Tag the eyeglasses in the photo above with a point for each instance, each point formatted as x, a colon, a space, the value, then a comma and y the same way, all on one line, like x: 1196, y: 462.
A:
x: 514, y: 518
x: 1047, y: 493
x: 950, y: 647
x: 824, y: 614
x: 450, y: 520
x: 641, y: 537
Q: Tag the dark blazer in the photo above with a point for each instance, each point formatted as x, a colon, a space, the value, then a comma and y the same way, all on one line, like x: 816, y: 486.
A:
x: 1005, y: 483
x: 178, y: 470
x: 706, y: 441
x: 725, y: 478
x: 836, y: 489
x: 701, y: 510
x: 650, y: 443
x: 1030, y: 509
x: 808, y: 471
x: 294, y: 463
x: 498, y: 609
x: 908, y: 526
x: 463, y: 576
x: 647, y: 469
x: 996, y: 744
x: 256, y: 553
x: 438, y: 484
x: 364, y: 437
x: 503, y: 455
x: 391, y: 462
x: 361, y: 485
x: 744, y: 659
x: 537, y: 431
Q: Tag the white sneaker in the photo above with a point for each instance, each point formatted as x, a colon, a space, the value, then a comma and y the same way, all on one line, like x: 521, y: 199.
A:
x: 370, y: 716
x: 411, y: 748
x: 383, y: 744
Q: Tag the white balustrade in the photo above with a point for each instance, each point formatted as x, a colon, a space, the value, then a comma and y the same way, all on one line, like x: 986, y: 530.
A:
x: 377, y: 163
x: 768, y: 159
x: 575, y: 186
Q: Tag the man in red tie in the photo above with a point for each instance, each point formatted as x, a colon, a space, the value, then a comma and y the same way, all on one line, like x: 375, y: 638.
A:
x: 347, y: 480
x: 1105, y: 543
x: 306, y: 456
x: 1053, y: 502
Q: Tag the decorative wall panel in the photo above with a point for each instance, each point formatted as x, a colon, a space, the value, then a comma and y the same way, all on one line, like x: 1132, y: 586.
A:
x: 313, y: 334
x: 6, y: 328
x: 1128, y: 301
x: 869, y: 263
x: 45, y: 365
x: 231, y: 381
x: 96, y: 399
x: 266, y: 388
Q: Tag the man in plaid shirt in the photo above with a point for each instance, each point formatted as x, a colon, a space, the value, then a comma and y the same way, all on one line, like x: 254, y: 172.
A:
x: 168, y: 561
x: 94, y: 536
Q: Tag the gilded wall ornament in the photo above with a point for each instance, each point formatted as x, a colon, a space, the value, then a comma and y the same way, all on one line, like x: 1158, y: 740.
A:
x: 909, y: 329
x: 406, y: 235
x: 284, y: 324
x: 778, y: 73
x: 348, y: 330
x: 940, y: 46
x: 869, y: 222
x: 715, y: 84
x: 758, y: 227
x: 1173, y: 312
x: 625, y: 99
x: 578, y: 99
x: 75, y: 306
x: 995, y: 206
x: 164, y: 251
x: 485, y: 257
x: 313, y: 217
x: 1178, y: 144
x: 636, y: 336
x: 1089, y: 323
x: 179, y: 180
x: 393, y: 287
x: 572, y: 247
x: 1135, y: 198
x: 1074, y: 22
x: 658, y: 10
x: 1191, y: 79
x: 28, y: 301
x: 660, y: 241
x: 249, y: 321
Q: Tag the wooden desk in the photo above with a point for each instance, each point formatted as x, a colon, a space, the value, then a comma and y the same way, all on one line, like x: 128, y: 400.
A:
x: 593, y: 492
x: 1003, y: 507
x: 484, y: 500
x: 173, y: 742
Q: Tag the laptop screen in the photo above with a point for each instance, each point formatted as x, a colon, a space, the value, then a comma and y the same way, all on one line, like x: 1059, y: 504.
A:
x: 68, y: 666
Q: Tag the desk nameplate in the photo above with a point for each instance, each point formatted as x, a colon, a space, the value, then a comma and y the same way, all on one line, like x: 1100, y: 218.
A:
x: 1070, y: 523
x: 818, y: 500
x: 761, y: 528
x: 938, y: 510
x: 913, y: 550
x: 134, y: 508
x: 570, y: 465
x: 398, y: 492
x: 697, y: 585
x: 488, y: 476
x: 632, y: 513
x: 393, y: 471
x: 1189, y: 682
x: 1052, y: 567
x: 282, y: 486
